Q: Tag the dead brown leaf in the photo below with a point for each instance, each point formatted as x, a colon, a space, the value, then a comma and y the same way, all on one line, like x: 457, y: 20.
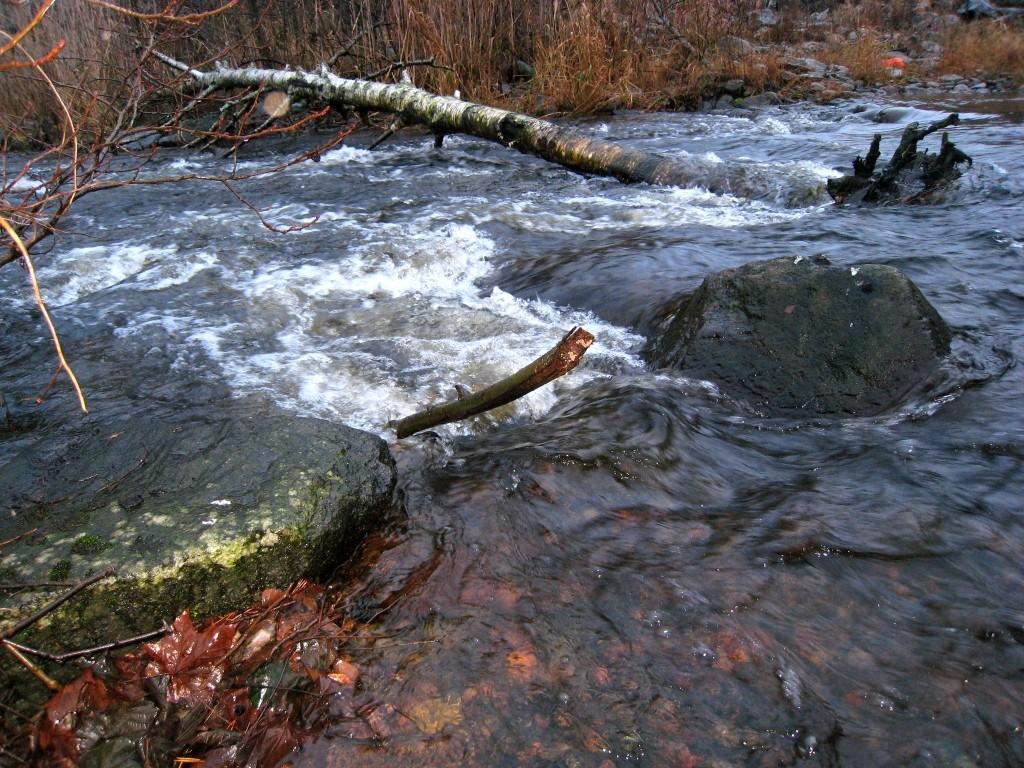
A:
x: 194, y: 661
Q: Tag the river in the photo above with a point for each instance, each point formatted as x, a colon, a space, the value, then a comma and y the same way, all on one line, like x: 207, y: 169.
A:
x: 625, y: 567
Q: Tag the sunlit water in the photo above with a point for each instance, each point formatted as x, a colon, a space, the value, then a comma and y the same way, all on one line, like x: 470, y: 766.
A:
x: 624, y: 567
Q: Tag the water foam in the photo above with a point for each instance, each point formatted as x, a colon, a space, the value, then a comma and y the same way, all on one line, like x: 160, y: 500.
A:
x: 376, y: 334
x: 83, y: 271
x: 654, y: 207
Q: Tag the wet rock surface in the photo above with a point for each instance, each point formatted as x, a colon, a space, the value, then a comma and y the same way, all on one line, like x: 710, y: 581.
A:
x: 792, y: 336
x: 198, y: 509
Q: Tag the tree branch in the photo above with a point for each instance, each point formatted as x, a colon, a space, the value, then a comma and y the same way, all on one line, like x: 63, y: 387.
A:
x: 565, y: 356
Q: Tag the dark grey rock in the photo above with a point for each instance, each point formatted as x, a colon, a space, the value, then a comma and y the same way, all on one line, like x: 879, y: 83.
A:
x: 734, y: 87
x: 789, y: 336
x: 766, y: 99
x: 806, y: 66
x: 978, y: 9
x: 522, y: 70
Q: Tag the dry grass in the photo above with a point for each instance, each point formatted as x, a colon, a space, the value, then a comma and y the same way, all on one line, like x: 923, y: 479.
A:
x: 590, y: 61
x: 864, y: 57
x: 588, y: 55
x: 984, y: 48
x: 84, y: 70
x: 874, y: 14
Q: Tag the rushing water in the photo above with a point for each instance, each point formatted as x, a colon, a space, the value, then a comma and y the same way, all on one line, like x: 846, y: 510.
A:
x: 624, y: 567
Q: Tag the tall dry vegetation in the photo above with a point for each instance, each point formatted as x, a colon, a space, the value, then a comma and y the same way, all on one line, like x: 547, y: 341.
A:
x: 985, y: 48
x: 95, y: 49
x: 587, y: 54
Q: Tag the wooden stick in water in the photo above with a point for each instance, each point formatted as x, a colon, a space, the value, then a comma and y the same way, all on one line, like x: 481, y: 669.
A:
x: 565, y: 356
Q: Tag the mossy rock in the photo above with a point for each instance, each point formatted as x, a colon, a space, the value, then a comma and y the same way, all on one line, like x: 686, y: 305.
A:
x: 193, y: 510
x: 792, y: 336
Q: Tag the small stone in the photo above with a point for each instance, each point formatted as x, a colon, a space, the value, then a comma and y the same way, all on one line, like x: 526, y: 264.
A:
x: 735, y: 47
x: 766, y: 99
x: 734, y: 87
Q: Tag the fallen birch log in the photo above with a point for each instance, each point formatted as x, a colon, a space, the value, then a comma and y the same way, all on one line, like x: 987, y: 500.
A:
x: 558, y: 361
x: 449, y: 115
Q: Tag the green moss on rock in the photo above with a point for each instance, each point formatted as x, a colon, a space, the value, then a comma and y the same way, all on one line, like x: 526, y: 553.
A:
x: 60, y: 571
x: 233, y: 501
x: 88, y: 544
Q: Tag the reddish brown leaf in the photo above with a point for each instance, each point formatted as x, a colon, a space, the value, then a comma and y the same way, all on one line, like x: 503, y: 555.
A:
x: 270, y: 597
x: 344, y: 673
x: 274, y: 742
x: 194, y: 661
x: 236, y: 709
x: 55, y: 734
x: 131, y: 671
x: 258, y: 643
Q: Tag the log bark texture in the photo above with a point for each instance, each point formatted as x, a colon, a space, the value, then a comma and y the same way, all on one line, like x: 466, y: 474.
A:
x: 447, y: 115
x: 558, y: 361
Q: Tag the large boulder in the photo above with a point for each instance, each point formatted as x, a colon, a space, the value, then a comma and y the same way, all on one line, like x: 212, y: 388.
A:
x: 198, y: 509
x: 792, y: 336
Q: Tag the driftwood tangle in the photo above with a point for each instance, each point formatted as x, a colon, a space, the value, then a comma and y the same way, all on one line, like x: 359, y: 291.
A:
x: 558, y: 361
x: 449, y: 115
x: 909, y: 176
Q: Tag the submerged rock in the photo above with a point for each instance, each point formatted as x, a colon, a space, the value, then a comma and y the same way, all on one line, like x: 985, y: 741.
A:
x: 200, y: 509
x: 794, y: 337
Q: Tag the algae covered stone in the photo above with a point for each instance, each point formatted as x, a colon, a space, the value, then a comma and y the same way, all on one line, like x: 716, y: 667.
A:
x: 199, y: 509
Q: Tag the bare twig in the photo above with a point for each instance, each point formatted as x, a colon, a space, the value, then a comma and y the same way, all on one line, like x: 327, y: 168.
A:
x: 51, y: 606
x: 60, y: 658
x: 392, y: 129
x: 165, y: 16
x: 19, y: 537
x: 347, y: 48
x: 400, y: 65
x: 15, y: 587
x: 661, y: 16
x: 565, y: 356
x: 15, y: 39
x: 63, y: 363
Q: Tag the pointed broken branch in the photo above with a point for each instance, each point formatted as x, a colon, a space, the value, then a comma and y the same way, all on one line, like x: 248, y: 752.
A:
x: 565, y: 356
x: 907, y: 167
x: 41, y: 676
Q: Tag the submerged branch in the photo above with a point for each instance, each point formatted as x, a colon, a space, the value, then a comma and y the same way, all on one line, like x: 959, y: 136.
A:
x: 558, y: 361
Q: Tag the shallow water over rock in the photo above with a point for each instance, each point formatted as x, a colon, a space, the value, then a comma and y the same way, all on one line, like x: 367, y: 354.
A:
x: 627, y: 567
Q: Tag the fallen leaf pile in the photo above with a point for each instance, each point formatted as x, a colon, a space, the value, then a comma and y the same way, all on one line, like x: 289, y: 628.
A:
x: 241, y: 690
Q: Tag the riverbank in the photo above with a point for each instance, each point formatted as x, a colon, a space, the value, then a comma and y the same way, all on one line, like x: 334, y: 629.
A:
x: 551, y: 59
